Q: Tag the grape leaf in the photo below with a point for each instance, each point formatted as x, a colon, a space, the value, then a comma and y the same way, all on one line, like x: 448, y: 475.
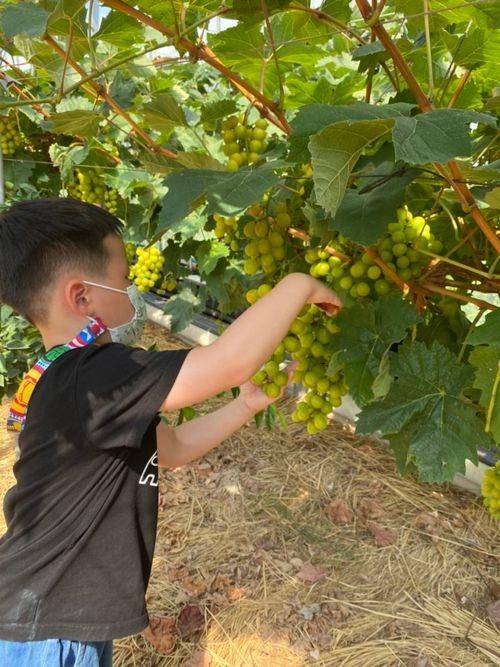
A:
x: 23, y: 17
x: 234, y: 192
x: 182, y: 308
x: 488, y: 333
x: 425, y: 407
x: 363, y: 216
x: 436, y: 136
x: 212, y: 112
x: 209, y: 253
x: 312, y: 118
x: 334, y: 152
x: 366, y: 333
x: 79, y: 121
x: 163, y: 113
x: 186, y: 191
x: 486, y: 361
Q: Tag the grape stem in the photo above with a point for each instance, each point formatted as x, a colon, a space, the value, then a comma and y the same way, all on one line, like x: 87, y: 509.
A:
x: 459, y: 296
x: 468, y: 269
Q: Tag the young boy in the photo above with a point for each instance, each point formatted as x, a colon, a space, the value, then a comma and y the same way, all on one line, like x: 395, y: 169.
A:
x: 81, y: 520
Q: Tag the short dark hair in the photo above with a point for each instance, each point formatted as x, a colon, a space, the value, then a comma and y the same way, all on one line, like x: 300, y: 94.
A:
x: 40, y: 237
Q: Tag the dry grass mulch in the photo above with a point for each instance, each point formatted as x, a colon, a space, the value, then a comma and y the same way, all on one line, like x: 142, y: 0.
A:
x: 281, y: 550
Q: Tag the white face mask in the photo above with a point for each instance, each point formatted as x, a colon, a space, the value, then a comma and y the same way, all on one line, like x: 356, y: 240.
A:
x: 129, y: 332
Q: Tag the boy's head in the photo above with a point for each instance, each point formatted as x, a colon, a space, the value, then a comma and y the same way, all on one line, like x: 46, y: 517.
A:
x: 48, y: 249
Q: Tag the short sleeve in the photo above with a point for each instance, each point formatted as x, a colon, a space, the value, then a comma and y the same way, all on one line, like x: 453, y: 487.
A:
x: 120, y: 389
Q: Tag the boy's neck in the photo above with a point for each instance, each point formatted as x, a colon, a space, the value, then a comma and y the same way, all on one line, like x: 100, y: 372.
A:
x: 65, y: 333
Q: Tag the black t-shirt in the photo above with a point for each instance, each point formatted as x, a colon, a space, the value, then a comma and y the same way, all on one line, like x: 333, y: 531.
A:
x: 81, y: 520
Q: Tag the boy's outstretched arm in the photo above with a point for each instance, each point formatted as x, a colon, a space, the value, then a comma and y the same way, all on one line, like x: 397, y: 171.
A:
x: 193, y: 439
x: 248, y: 342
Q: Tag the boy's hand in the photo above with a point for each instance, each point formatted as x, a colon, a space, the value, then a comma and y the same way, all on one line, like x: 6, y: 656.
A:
x: 253, y: 396
x: 325, y: 298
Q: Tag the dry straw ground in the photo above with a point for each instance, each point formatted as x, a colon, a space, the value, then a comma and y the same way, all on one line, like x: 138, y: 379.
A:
x: 278, y: 550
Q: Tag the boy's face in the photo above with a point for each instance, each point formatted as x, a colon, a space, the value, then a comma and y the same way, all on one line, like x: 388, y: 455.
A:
x: 114, y: 308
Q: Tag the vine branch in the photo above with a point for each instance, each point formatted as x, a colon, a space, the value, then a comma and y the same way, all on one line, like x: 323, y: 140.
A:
x: 467, y: 201
x: 267, y: 107
x: 100, y: 92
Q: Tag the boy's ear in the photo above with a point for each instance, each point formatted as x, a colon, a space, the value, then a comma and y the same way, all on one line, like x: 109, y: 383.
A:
x: 78, y: 297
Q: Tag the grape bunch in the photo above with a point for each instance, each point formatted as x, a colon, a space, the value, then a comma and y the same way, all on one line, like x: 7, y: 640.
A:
x: 226, y: 230
x: 311, y: 343
x: 399, y: 248
x: 243, y: 144
x: 360, y: 278
x: 146, y: 272
x: 89, y: 186
x: 271, y: 378
x: 490, y: 489
x: 10, y: 137
x: 168, y: 284
x: 266, y: 240
x: 130, y: 251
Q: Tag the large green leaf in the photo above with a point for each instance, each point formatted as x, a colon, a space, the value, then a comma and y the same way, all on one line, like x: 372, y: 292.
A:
x: 366, y: 333
x: 164, y: 113
x: 488, y: 333
x: 182, y: 308
x: 226, y: 193
x: 235, y: 192
x: 186, y: 191
x: 23, y: 18
x: 79, y: 121
x: 425, y: 406
x: 335, y: 151
x: 363, y: 216
x: 120, y: 30
x: 486, y: 361
x: 208, y: 255
x: 312, y: 118
x: 436, y: 136
x: 474, y: 49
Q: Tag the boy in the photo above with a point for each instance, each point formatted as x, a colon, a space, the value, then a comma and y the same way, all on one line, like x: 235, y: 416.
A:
x: 81, y: 520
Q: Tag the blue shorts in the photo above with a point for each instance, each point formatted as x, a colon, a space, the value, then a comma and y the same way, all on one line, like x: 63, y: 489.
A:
x: 56, y: 653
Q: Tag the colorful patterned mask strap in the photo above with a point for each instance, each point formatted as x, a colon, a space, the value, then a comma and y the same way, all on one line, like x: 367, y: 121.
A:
x: 16, y: 419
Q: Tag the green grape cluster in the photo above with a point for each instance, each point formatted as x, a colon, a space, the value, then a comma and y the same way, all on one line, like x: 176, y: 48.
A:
x: 10, y: 137
x: 89, y: 186
x: 400, y: 246
x: 146, y: 272
x: 310, y: 342
x: 226, y: 230
x: 168, y: 284
x: 243, y: 144
x: 270, y: 377
x: 490, y: 489
x: 130, y: 251
x: 360, y: 278
x: 266, y: 236
x: 253, y: 295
